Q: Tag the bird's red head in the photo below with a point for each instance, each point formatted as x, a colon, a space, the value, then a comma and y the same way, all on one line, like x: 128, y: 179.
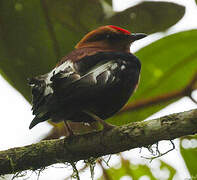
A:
x: 109, y: 37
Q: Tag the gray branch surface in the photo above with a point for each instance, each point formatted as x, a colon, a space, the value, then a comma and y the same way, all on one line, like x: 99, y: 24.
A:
x: 118, y: 139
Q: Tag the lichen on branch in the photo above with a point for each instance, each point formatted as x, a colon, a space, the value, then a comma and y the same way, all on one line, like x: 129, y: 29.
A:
x: 96, y: 144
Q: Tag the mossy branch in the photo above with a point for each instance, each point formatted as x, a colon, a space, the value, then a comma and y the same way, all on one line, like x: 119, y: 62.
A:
x: 73, y: 149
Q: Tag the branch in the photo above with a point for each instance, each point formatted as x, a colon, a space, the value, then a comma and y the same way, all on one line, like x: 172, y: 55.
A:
x: 75, y: 148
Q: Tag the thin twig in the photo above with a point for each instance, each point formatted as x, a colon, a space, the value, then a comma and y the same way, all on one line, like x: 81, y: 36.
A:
x: 106, y: 162
x: 151, y: 101
x: 193, y: 100
x: 158, y: 152
x: 186, y: 91
x: 80, y: 170
x: 75, y: 171
x: 105, y: 175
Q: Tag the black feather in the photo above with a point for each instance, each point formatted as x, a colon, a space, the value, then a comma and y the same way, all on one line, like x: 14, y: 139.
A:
x: 100, y: 83
x: 37, y: 120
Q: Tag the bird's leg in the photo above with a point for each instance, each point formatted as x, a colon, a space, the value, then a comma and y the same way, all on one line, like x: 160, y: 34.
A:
x: 106, y: 126
x: 69, y: 129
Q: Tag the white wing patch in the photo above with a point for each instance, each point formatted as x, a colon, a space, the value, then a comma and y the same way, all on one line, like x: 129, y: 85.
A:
x: 96, y: 72
x: 123, y: 67
x: 67, y: 67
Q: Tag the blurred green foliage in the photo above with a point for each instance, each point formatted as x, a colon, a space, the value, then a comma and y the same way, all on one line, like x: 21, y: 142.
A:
x: 189, y: 154
x: 36, y: 34
x: 137, y: 171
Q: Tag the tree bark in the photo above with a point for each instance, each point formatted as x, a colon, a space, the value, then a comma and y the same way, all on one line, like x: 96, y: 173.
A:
x: 118, y: 139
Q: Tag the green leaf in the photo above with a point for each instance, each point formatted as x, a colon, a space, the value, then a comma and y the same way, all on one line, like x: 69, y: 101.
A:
x: 189, y: 155
x: 32, y: 41
x: 129, y: 169
x: 169, y: 168
x: 35, y: 34
x: 108, y: 2
x: 77, y: 16
x: 167, y: 65
x: 148, y: 17
x: 26, y: 48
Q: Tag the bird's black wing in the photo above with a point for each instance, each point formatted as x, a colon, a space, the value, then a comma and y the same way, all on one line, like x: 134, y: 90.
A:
x: 71, y: 80
x: 94, y: 73
x: 43, y: 91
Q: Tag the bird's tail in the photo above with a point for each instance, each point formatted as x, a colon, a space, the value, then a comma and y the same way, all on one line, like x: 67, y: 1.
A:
x: 37, y: 120
x: 38, y: 86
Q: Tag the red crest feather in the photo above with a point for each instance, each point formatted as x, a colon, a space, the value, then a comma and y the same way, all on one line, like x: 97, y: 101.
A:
x: 124, y: 31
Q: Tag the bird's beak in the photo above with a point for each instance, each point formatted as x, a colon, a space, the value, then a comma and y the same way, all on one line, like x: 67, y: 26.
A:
x: 137, y: 36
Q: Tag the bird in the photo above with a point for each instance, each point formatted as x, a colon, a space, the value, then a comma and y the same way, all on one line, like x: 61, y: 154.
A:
x: 91, y: 83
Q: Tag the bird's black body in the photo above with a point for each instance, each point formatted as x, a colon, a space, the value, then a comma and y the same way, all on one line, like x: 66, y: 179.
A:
x: 100, y: 83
